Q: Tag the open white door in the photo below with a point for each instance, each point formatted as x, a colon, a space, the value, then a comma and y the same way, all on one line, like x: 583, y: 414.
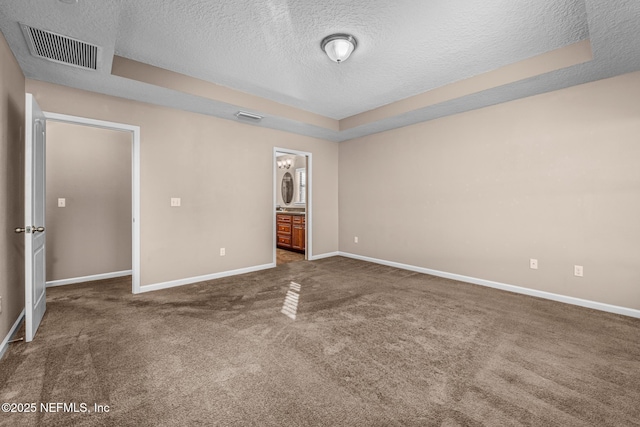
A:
x: 34, y: 232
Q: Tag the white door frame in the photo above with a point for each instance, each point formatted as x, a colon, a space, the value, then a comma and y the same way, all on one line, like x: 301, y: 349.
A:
x: 135, y: 175
x: 308, y: 210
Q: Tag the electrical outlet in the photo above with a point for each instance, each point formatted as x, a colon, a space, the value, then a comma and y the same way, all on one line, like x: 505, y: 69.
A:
x: 355, y: 239
x: 175, y: 202
x: 223, y: 251
x: 578, y: 270
x: 533, y: 264
x: 62, y: 202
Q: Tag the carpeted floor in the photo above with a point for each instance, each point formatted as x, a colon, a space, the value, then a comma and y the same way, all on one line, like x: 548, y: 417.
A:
x: 370, y: 346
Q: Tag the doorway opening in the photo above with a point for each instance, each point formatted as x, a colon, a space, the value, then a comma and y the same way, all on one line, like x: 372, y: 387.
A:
x: 292, y: 201
x: 114, y: 203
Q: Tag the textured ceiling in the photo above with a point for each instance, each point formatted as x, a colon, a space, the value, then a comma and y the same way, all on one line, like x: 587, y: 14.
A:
x: 271, y: 49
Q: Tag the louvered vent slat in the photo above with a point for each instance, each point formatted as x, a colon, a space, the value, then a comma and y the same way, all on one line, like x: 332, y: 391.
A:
x: 62, y: 49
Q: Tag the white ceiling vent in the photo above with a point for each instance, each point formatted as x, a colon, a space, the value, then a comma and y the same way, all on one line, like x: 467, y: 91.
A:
x: 62, y: 49
x: 248, y: 116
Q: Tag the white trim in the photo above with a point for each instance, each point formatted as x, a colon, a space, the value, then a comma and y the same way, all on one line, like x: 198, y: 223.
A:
x: 5, y: 342
x: 324, y: 255
x: 91, y: 278
x: 135, y: 184
x: 503, y: 286
x: 308, y: 210
x: 190, y: 280
x: 135, y: 207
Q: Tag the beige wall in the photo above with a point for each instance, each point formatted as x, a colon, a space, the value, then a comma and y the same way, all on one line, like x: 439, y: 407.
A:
x: 11, y: 188
x: 197, y: 158
x: 91, y: 168
x: 554, y: 177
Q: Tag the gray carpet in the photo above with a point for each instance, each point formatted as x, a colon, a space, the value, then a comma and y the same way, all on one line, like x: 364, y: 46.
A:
x: 370, y: 346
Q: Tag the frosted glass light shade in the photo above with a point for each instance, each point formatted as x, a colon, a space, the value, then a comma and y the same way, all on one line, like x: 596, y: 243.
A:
x: 284, y: 164
x: 339, y: 47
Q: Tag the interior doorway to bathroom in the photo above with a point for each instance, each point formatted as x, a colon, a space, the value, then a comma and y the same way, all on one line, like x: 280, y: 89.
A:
x: 292, y: 206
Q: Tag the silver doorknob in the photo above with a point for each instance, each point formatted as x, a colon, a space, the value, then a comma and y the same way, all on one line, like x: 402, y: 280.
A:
x: 33, y: 229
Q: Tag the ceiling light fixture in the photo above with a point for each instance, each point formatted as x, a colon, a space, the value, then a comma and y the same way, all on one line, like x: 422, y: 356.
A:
x: 338, y: 47
x: 69, y: 1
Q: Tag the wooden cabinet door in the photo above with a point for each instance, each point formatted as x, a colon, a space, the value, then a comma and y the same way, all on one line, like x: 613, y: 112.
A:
x: 298, y: 237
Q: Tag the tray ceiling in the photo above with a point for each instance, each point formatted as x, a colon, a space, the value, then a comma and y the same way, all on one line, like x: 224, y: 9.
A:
x: 264, y: 56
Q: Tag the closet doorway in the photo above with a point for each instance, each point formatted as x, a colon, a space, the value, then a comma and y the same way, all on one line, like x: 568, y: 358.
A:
x: 93, y: 200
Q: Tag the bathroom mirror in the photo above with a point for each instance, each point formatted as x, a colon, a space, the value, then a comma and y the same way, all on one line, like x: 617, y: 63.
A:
x: 287, y: 188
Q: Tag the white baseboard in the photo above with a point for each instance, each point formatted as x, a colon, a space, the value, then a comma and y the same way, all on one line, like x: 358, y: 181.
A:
x: 190, y: 280
x: 325, y: 255
x: 5, y: 342
x: 82, y: 279
x: 503, y: 286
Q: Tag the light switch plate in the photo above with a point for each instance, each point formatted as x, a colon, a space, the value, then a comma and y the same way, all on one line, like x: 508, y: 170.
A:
x: 578, y: 271
x: 533, y: 264
x: 175, y: 202
x: 62, y: 202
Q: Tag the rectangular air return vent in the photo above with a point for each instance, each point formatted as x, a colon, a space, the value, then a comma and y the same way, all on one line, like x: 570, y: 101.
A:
x: 62, y: 49
x: 248, y: 116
